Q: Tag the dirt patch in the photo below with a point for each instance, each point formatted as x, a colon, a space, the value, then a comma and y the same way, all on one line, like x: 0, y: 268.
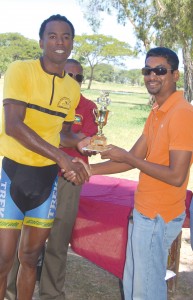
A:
x: 184, y: 289
x: 86, y: 281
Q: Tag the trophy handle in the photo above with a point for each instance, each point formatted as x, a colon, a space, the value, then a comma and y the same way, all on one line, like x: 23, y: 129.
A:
x: 95, y: 113
x: 101, y: 116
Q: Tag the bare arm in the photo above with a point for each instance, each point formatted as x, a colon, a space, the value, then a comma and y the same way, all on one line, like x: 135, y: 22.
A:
x: 70, y: 139
x: 175, y: 173
x: 67, y: 137
x: 117, y: 166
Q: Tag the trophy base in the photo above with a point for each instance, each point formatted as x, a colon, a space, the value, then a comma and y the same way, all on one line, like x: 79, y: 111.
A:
x: 97, y: 144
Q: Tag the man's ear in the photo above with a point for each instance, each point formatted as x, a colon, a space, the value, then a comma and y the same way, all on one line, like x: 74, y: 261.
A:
x: 176, y: 75
x: 41, y: 44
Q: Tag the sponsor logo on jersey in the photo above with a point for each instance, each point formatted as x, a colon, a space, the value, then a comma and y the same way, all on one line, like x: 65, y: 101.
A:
x: 64, y: 103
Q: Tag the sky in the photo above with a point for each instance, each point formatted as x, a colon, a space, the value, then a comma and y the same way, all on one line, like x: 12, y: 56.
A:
x: 26, y: 16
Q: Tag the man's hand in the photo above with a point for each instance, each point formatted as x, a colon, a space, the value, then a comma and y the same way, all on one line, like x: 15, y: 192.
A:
x: 114, y: 153
x: 77, y: 169
x: 83, y: 144
x: 72, y: 176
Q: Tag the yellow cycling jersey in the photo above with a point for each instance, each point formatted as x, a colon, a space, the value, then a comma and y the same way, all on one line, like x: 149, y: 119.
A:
x: 50, y: 100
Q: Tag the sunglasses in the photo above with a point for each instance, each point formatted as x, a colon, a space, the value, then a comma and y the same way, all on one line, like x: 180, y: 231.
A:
x: 157, y: 71
x: 78, y: 77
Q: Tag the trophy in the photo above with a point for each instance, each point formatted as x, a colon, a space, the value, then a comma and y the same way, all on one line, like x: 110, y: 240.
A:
x: 98, y: 142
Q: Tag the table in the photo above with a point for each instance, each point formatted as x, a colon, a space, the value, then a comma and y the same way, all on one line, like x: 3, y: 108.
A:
x: 100, y: 231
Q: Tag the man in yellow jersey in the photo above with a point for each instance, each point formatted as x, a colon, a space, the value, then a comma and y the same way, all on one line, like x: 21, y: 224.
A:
x: 39, y: 103
x: 163, y: 154
x: 68, y: 194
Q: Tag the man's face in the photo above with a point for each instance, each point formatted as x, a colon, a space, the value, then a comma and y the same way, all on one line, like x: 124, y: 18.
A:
x: 57, y: 42
x: 160, y: 85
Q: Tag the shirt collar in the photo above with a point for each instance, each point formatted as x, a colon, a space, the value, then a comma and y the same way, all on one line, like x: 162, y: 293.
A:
x: 173, y: 99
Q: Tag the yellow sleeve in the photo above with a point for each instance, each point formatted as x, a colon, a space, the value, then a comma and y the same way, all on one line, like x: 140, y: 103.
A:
x: 15, y: 82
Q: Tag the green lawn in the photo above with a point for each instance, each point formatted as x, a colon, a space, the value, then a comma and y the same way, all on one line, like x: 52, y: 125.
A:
x: 128, y: 112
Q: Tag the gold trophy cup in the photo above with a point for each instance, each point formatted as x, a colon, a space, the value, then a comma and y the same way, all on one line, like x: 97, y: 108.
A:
x: 98, y: 142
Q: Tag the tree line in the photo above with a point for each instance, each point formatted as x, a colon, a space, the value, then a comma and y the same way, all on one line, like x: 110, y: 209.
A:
x: 90, y: 50
x: 102, y: 56
x: 108, y: 73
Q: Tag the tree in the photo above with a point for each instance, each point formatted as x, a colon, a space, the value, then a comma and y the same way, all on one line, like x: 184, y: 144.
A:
x: 95, y: 49
x: 140, y: 13
x: 160, y: 22
x: 174, y: 27
x: 104, y: 73
x: 14, y: 46
x: 135, y: 77
x: 132, y: 77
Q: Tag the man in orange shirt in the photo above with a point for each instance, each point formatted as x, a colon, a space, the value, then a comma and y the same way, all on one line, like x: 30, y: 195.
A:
x: 163, y: 154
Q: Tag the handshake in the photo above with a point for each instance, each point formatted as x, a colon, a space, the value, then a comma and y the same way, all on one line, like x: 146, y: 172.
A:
x: 75, y: 169
x: 78, y: 172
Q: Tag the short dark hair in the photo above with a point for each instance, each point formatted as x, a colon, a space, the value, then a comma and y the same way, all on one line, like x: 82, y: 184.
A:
x: 55, y: 18
x: 167, y: 53
x: 75, y: 62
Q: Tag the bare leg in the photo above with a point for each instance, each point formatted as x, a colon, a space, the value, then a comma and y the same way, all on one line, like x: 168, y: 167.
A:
x: 8, y: 247
x: 31, y: 243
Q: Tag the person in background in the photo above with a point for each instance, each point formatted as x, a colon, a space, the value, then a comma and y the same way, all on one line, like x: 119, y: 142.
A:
x: 163, y: 154
x: 39, y: 102
x: 54, y: 263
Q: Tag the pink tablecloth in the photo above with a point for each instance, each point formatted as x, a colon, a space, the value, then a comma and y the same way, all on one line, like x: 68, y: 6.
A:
x: 100, y: 231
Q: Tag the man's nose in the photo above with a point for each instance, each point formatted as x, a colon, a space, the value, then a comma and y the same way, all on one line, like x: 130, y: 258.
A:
x: 60, y: 40
x: 152, y: 74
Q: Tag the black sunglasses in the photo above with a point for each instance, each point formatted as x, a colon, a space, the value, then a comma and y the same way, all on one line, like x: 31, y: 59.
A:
x: 77, y: 77
x: 157, y: 70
